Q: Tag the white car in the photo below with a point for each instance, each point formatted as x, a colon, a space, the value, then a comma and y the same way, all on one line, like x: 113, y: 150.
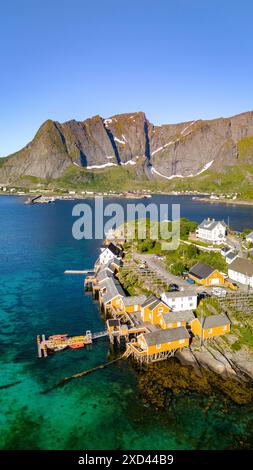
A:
x: 219, y: 292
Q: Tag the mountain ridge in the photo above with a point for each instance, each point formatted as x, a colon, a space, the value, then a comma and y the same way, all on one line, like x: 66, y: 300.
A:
x: 167, y: 151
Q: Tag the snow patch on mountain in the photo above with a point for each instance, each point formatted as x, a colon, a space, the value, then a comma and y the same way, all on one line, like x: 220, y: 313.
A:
x: 206, y: 166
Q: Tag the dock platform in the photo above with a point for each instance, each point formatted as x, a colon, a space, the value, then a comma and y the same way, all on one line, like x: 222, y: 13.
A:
x: 79, y: 271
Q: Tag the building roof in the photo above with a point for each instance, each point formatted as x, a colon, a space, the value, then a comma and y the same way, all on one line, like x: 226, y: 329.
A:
x: 113, y: 322
x: 152, y: 302
x: 243, y: 266
x: 112, y: 289
x: 210, y: 224
x: 226, y: 249
x: 115, y: 261
x: 173, y: 317
x: 134, y: 300
x: 201, y: 270
x: 231, y: 255
x: 180, y: 293
x: 216, y: 320
x: 114, y: 249
x: 166, y: 336
x: 149, y: 301
x: 104, y: 272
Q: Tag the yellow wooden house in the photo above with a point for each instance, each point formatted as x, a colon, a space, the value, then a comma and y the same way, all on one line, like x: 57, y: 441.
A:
x: 176, y: 319
x: 213, y: 325
x: 205, y: 275
x: 111, y: 292
x: 132, y: 303
x: 152, y: 309
x: 160, y: 343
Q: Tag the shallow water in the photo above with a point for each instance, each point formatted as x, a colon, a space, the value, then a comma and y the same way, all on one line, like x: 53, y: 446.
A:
x: 103, y: 410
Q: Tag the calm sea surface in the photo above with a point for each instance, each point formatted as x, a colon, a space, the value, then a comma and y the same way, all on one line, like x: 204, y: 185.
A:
x: 103, y: 410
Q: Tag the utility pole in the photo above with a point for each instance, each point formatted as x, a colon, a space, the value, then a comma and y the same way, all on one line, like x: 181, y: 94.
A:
x: 201, y: 335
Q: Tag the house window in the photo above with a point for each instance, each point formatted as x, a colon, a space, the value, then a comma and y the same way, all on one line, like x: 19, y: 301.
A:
x: 160, y: 310
x: 210, y: 330
x: 158, y: 346
x: 191, y: 304
x: 169, y: 325
x: 189, y: 298
x: 181, y: 341
x: 178, y: 323
x: 150, y: 316
x: 224, y: 327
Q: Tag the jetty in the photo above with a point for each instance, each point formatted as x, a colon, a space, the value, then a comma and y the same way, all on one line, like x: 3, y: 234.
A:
x: 78, y: 271
x: 59, y: 342
x: 31, y: 200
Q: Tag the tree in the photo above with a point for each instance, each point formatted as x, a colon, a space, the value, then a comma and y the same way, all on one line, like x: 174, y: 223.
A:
x: 246, y: 231
x: 177, y: 268
x: 192, y: 251
x: 146, y: 245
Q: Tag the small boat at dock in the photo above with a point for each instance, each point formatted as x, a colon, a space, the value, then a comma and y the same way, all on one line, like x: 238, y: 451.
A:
x: 76, y: 346
x: 53, y: 337
x: 59, y: 347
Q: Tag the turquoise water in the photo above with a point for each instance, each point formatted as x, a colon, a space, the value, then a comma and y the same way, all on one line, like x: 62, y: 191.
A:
x: 103, y: 410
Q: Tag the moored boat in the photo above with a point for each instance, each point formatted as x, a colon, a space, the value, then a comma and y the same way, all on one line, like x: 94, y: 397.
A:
x: 58, y: 336
x: 60, y: 347
x: 76, y: 346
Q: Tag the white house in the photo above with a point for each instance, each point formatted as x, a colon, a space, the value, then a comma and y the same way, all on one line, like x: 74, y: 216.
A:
x: 249, y: 237
x: 109, y: 253
x: 211, y: 230
x: 180, y: 301
x: 230, y: 257
x: 241, y: 270
x: 225, y: 250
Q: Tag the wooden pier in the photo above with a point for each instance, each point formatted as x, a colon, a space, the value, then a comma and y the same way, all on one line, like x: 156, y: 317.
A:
x: 57, y: 343
x: 78, y: 271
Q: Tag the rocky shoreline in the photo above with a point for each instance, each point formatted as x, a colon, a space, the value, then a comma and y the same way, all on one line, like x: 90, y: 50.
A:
x: 187, y: 373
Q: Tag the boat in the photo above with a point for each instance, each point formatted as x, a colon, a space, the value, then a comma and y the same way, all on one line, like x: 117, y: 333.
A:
x: 60, y: 347
x: 58, y: 336
x: 76, y: 346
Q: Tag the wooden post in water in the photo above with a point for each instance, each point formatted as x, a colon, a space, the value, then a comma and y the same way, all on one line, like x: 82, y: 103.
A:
x: 39, y: 346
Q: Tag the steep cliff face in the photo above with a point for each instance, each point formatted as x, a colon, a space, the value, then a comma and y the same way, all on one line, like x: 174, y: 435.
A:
x: 169, y: 151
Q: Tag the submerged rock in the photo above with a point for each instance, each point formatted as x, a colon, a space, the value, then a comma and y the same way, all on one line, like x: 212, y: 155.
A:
x: 158, y: 382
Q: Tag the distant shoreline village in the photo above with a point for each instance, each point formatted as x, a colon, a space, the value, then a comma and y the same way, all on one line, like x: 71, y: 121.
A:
x: 38, y: 196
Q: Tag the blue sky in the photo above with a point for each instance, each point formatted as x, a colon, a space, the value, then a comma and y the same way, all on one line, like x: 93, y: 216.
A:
x: 176, y: 60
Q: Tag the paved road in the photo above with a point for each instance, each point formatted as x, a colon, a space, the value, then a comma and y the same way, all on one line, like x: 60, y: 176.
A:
x: 162, y: 273
x: 235, y: 244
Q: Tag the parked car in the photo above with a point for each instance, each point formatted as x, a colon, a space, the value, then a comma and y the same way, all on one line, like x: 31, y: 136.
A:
x: 219, y: 292
x: 173, y: 286
x: 191, y: 281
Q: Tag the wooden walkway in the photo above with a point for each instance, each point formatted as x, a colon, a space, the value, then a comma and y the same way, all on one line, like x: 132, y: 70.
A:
x: 76, y: 271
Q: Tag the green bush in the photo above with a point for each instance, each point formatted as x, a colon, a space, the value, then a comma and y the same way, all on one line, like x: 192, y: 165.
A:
x: 177, y: 268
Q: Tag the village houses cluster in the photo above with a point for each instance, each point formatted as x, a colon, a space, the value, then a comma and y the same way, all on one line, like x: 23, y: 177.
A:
x: 155, y: 327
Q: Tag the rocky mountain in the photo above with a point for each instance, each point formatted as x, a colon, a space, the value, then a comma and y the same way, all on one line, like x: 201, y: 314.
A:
x: 167, y: 151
